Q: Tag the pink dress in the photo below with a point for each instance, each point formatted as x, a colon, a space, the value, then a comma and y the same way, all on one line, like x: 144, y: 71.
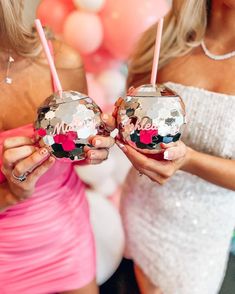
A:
x: 46, y: 242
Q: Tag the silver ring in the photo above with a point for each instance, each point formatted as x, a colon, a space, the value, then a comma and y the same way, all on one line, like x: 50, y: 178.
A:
x: 21, y: 178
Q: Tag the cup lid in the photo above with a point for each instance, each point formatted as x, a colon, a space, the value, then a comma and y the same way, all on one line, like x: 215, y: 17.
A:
x: 67, y: 96
x: 151, y: 91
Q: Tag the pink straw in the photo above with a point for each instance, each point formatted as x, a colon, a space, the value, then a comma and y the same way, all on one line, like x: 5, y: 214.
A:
x: 157, y: 52
x: 48, y: 55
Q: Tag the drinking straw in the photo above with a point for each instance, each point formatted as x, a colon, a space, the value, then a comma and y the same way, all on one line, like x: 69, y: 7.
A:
x: 157, y: 52
x: 49, y: 57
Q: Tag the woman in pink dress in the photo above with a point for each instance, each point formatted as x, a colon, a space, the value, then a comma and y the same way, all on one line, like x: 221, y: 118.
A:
x: 46, y: 241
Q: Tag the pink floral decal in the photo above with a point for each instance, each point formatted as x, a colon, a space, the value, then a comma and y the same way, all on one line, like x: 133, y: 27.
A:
x: 41, y: 132
x: 67, y: 141
x: 146, y: 136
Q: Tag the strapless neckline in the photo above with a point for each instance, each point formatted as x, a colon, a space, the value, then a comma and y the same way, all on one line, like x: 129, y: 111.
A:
x: 198, y: 89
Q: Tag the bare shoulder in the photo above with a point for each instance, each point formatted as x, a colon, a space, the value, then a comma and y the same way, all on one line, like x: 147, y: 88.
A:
x: 65, y: 56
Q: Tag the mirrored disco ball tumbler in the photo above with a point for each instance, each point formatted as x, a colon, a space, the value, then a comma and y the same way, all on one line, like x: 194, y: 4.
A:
x: 65, y: 122
x: 150, y: 115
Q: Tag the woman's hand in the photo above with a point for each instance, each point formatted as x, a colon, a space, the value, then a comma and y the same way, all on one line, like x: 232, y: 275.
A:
x: 175, y: 158
x: 101, y: 144
x: 21, y: 158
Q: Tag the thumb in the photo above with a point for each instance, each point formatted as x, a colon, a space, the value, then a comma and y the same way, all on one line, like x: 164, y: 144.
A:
x: 109, y: 121
x: 174, y: 153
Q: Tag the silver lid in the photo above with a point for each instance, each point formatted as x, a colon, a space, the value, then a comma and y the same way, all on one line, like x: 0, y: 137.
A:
x: 67, y: 96
x: 151, y: 91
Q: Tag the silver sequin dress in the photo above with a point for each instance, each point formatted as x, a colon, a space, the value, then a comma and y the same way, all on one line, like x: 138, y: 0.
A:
x: 179, y: 233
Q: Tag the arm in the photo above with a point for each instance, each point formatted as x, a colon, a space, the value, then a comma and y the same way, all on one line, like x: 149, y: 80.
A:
x: 177, y: 156
x: 213, y: 169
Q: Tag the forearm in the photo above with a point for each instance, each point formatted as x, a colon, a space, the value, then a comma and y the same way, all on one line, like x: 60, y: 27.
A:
x: 213, y: 169
x: 7, y: 199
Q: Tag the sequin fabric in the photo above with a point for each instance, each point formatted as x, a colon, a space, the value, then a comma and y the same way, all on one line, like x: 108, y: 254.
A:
x: 180, y: 233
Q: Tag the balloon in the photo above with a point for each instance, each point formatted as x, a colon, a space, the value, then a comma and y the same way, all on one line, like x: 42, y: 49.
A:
x: 96, y: 91
x: 124, y: 22
x: 53, y: 13
x: 113, y: 82
x: 90, y: 5
x: 99, y: 61
x: 83, y: 31
x: 109, y: 235
x: 94, y: 175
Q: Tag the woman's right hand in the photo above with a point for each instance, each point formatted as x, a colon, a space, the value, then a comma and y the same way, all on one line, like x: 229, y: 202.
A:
x: 21, y: 157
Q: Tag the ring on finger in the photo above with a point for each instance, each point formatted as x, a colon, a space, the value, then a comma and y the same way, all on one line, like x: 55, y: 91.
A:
x: 20, y: 178
x: 140, y: 174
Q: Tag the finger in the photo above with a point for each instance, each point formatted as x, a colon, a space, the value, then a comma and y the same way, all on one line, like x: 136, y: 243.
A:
x: 40, y: 170
x: 169, y: 145
x: 175, y: 153
x: 117, y: 104
x: 154, y: 177
x: 102, y: 142
x: 98, y: 154
x: 14, y: 142
x: 109, y: 121
x: 31, y: 162
x: 11, y: 156
x: 142, y: 162
x: 93, y: 162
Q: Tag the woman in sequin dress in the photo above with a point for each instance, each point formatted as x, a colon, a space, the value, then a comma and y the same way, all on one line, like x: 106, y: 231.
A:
x: 46, y: 240
x: 179, y: 216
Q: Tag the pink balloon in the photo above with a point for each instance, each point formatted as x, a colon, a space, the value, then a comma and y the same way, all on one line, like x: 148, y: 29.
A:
x: 96, y: 91
x: 83, y: 31
x: 124, y: 21
x: 53, y: 13
x: 99, y: 61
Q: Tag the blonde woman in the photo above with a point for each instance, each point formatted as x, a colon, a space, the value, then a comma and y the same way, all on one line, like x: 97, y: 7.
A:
x: 46, y: 241
x: 179, y: 216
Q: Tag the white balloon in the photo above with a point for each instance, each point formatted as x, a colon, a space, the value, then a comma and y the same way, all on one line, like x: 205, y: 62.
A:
x: 90, y: 5
x: 107, y: 187
x: 123, y: 166
x: 94, y: 175
x: 113, y: 83
x: 109, y: 235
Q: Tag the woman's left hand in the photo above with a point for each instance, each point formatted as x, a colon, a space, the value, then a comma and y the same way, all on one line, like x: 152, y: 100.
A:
x: 160, y: 171
x: 101, y: 144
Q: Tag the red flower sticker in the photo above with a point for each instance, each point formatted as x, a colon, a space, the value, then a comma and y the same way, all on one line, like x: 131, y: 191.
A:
x: 146, y: 136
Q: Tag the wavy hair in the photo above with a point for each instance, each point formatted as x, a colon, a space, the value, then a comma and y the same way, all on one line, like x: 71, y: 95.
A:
x: 184, y: 29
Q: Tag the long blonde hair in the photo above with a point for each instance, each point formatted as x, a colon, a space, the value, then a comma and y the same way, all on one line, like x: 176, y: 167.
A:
x: 13, y: 33
x: 184, y: 28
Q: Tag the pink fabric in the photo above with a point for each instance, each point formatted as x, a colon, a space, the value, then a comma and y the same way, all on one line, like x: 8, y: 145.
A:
x: 46, y: 242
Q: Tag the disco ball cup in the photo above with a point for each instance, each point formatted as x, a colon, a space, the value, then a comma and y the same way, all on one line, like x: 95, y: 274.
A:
x: 150, y: 115
x: 65, y: 123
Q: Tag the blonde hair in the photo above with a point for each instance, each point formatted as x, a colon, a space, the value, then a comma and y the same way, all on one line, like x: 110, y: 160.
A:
x: 14, y: 35
x: 184, y: 29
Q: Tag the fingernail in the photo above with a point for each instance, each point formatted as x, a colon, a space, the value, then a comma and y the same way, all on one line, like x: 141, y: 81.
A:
x: 93, y: 155
x: 51, y: 159
x: 121, y: 146
x: 166, y: 155
x: 105, y: 116
x: 97, y: 142
x: 43, y: 151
